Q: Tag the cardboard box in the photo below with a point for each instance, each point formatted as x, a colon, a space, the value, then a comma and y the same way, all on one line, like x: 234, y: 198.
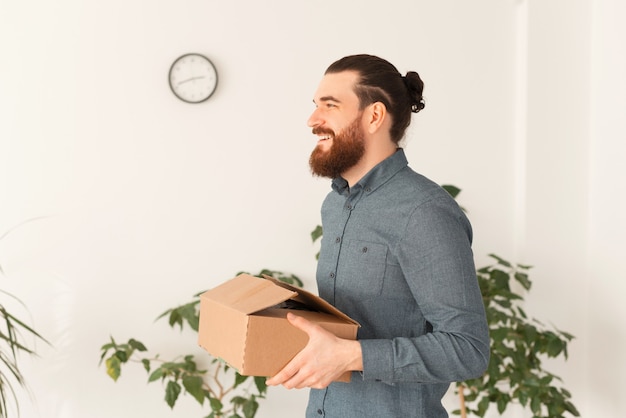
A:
x: 244, y: 322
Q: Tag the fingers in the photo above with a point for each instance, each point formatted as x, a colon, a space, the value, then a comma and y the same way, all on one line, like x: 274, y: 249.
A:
x: 288, y: 372
x: 291, y: 369
x: 298, y: 379
x: 301, y: 323
x: 294, y: 374
x: 305, y: 369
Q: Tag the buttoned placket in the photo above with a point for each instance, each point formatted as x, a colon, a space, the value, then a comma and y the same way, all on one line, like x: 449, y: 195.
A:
x: 353, y: 195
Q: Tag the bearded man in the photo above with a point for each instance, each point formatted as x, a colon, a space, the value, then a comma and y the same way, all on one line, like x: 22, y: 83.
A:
x: 396, y: 257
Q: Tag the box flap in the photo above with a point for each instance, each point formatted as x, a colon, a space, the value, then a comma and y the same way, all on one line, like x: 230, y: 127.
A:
x: 249, y: 294
x: 311, y: 300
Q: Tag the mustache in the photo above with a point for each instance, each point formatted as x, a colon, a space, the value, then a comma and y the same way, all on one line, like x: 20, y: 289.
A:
x: 320, y: 130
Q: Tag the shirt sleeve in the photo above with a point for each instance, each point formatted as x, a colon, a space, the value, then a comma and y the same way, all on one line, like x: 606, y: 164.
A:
x: 437, y: 261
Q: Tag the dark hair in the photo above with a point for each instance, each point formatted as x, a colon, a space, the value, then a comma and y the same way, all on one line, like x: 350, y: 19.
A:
x: 380, y: 81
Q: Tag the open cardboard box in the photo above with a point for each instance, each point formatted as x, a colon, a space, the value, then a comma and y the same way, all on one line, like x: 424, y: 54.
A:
x: 244, y: 322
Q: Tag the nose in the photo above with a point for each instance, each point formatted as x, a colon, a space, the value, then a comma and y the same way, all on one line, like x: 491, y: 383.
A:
x: 315, y: 119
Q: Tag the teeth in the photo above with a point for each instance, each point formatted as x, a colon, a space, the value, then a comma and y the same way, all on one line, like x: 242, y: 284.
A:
x: 323, y: 137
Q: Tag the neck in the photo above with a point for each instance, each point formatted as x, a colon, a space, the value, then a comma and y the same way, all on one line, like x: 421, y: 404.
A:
x: 370, y: 160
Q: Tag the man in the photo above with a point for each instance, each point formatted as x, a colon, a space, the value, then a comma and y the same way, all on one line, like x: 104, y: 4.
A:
x: 396, y: 257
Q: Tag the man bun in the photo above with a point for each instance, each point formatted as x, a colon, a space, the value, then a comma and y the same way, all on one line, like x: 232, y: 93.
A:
x: 415, y: 86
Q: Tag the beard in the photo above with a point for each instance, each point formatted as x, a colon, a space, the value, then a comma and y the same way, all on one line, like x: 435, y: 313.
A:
x: 345, y: 152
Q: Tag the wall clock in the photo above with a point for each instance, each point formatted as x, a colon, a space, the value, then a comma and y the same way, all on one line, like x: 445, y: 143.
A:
x: 193, y: 78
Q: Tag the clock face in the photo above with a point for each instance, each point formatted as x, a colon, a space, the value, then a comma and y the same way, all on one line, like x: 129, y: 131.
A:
x: 193, y: 78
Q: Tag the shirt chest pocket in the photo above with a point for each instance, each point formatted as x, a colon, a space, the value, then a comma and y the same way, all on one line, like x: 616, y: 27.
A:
x: 362, y: 267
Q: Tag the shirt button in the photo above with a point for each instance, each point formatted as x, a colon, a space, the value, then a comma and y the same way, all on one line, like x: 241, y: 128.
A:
x: 349, y: 206
x: 364, y: 249
x: 338, y: 240
x: 320, y: 412
x: 332, y: 275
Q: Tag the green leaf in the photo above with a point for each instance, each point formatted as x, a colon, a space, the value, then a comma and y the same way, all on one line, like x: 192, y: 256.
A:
x: 571, y: 409
x: 317, y: 233
x: 113, y: 367
x: 156, y: 375
x: 137, y: 345
x: 261, y: 384
x: 535, y: 405
x: 216, y: 405
x: 250, y: 407
x: 452, y: 190
x: 238, y: 400
x: 522, y: 279
x: 121, y: 355
x: 190, y: 364
x: 501, y: 260
x: 500, y: 279
x: 105, y: 350
x: 107, y: 347
x: 239, y: 379
x: 530, y: 332
x: 171, y: 393
x: 555, y: 347
x: 482, y: 406
x: 502, y: 404
x: 499, y: 334
x: 193, y: 385
x: 188, y: 313
x: 146, y: 364
x: 522, y: 396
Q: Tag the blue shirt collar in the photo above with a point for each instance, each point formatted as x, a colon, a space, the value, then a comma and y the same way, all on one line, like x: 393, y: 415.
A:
x: 377, y: 176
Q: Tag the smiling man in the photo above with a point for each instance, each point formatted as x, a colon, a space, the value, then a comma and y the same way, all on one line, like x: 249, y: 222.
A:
x: 396, y: 256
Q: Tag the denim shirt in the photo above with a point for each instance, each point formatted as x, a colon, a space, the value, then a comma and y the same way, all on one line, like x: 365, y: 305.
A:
x: 396, y: 257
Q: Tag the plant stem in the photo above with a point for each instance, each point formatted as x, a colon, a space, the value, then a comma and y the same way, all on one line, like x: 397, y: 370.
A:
x: 462, y: 401
x: 217, y: 381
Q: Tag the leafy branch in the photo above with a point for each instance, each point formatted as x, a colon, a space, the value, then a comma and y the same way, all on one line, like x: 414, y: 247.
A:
x: 227, y: 393
x: 14, y: 333
x: 518, y: 343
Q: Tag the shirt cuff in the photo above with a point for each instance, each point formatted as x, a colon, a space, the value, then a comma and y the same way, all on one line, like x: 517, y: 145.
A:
x: 377, y: 360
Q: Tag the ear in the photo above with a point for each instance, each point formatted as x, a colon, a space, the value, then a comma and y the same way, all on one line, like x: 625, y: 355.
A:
x: 375, y: 116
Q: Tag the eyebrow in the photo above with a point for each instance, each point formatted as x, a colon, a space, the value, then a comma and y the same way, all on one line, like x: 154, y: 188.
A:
x: 328, y: 99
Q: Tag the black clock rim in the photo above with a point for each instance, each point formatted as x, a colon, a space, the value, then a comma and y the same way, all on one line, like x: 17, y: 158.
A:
x: 169, y: 77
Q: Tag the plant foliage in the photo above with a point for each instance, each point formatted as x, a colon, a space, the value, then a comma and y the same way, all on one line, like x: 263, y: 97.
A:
x: 13, y: 340
x: 14, y: 336
x: 518, y: 345
x: 222, y: 389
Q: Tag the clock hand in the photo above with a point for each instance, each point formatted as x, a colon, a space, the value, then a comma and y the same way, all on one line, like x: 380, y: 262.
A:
x: 190, y: 79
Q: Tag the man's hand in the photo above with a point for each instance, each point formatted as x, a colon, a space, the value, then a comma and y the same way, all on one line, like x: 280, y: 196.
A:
x: 322, y: 360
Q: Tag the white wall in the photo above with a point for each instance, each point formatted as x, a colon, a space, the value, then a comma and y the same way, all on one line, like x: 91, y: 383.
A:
x: 149, y: 200
x: 606, y: 319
